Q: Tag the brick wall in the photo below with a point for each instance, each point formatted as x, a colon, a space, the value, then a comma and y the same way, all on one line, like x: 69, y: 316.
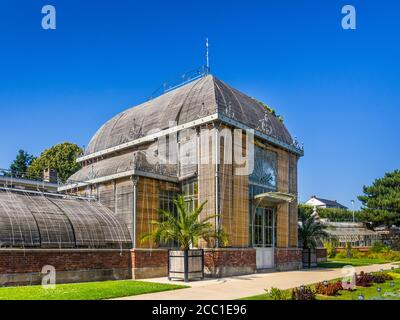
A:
x: 228, y: 262
x: 148, y: 263
x: 23, y: 267
x: 288, y: 258
x: 18, y: 260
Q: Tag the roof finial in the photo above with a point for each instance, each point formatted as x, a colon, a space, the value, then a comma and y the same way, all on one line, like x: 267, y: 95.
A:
x: 207, y: 58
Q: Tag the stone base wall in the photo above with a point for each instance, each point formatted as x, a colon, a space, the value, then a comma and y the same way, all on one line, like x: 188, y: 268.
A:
x: 229, y: 262
x: 149, y: 263
x: 288, y: 259
x: 24, y: 267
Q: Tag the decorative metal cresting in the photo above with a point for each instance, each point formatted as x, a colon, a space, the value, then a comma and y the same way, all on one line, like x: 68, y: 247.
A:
x: 297, y: 144
x: 180, y: 81
x: 185, y: 78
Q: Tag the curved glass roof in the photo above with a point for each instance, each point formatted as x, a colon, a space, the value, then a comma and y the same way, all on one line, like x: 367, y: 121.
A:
x: 35, y: 220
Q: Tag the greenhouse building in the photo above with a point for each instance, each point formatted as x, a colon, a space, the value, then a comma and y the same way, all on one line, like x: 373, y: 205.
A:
x: 204, y: 140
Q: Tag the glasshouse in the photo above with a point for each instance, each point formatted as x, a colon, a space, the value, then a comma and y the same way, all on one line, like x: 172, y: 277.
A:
x: 202, y: 139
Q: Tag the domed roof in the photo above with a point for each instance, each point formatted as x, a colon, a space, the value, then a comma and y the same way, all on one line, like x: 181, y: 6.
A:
x: 195, y: 100
x: 33, y: 220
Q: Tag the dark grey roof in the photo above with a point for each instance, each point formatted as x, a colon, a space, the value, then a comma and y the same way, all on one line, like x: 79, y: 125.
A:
x: 198, y: 99
x: 122, y: 163
x: 35, y: 220
x: 331, y: 203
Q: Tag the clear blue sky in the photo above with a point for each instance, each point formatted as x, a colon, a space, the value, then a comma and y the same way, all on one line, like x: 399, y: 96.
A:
x: 338, y: 90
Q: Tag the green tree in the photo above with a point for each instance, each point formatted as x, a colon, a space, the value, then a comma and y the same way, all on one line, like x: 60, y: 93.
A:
x: 381, y: 200
x: 19, y: 166
x: 61, y: 157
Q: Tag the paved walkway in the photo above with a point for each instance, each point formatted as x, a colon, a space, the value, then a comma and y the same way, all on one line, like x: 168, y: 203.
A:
x: 244, y: 286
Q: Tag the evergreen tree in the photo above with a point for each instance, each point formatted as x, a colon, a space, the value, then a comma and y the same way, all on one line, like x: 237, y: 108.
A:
x: 21, y: 163
x: 381, y: 200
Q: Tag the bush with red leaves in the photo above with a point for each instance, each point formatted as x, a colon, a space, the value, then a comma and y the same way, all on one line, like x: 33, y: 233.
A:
x: 381, y: 277
x: 303, y: 294
x: 364, y: 279
x: 331, y: 289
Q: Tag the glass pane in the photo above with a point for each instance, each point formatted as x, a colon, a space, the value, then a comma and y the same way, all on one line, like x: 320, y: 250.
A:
x: 266, y: 218
x: 258, y: 218
x: 258, y: 235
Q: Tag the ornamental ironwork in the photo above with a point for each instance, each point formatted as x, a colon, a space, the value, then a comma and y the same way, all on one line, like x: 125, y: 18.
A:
x: 229, y: 111
x: 265, y: 168
x: 265, y: 124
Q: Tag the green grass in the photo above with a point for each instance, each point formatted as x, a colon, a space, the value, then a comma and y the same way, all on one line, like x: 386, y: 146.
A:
x: 356, y: 262
x: 85, y: 291
x: 369, y: 293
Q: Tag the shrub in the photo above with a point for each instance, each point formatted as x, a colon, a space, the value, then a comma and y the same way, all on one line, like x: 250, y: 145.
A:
x: 342, y: 254
x: 331, y: 289
x: 378, y: 247
x: 277, y: 294
x: 303, y: 294
x: 364, y: 279
x: 390, y: 255
x: 396, y: 244
x: 356, y: 254
x: 330, y: 249
x: 381, y: 277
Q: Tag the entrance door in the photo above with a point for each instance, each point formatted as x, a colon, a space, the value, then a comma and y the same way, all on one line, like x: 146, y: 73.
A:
x: 264, y: 237
x: 264, y: 258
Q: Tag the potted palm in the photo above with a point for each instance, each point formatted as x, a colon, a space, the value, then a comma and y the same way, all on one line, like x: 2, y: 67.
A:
x: 186, y: 229
x: 311, y: 231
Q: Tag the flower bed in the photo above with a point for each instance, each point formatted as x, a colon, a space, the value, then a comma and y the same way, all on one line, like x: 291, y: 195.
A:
x: 368, y: 286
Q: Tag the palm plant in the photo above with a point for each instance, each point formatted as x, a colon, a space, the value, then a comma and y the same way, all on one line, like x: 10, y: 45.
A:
x: 184, y: 228
x: 310, y: 232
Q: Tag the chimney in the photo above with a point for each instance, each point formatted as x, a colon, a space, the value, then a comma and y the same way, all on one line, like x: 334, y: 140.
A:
x: 50, y: 175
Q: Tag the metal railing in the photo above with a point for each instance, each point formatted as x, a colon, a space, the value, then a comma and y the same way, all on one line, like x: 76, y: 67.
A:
x: 180, y: 81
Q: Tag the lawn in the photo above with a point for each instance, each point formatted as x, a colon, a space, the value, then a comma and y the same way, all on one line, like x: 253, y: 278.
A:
x: 85, y: 291
x: 356, y: 262
x: 370, y: 293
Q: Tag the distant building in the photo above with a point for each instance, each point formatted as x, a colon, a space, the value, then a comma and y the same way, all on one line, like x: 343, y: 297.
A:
x: 10, y: 182
x: 389, y: 235
x: 355, y: 233
x: 324, y: 203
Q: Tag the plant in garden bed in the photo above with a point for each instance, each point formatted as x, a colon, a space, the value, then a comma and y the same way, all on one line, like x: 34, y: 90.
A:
x: 328, y: 289
x: 364, y: 279
x: 303, y: 293
x: 277, y: 294
x: 381, y: 277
